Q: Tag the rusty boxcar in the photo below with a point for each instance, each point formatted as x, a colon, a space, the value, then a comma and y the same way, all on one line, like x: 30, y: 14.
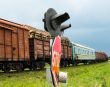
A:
x: 66, y: 57
x: 14, y: 43
x: 39, y: 45
x: 101, y: 56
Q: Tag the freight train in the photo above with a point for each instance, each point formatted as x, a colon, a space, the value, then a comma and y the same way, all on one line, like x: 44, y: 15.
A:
x: 22, y: 46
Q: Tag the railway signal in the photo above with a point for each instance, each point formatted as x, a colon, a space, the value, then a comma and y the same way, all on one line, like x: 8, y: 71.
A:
x: 53, y: 24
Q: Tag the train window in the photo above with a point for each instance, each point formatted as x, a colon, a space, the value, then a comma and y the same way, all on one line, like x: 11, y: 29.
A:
x: 88, y: 52
x: 78, y: 51
x: 83, y: 51
x: 93, y: 53
x: 75, y: 50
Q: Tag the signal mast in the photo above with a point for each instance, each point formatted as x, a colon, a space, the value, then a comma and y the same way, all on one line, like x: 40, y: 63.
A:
x: 53, y: 24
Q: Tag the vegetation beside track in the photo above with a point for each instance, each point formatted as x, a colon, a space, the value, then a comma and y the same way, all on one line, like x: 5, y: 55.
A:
x: 96, y: 75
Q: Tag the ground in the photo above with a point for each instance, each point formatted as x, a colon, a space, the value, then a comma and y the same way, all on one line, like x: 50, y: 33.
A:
x: 95, y: 75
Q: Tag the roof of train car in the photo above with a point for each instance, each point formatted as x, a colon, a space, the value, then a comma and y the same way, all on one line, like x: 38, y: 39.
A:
x: 43, y: 32
x: 100, y: 52
x: 65, y: 38
x: 6, y: 22
x: 37, y: 30
x: 82, y: 46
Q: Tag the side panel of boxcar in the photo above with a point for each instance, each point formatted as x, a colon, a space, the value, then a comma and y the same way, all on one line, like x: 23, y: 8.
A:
x: 2, y: 47
x: 5, y: 44
x: 101, y: 56
x: 13, y: 45
x: 39, y: 50
x: 66, y: 57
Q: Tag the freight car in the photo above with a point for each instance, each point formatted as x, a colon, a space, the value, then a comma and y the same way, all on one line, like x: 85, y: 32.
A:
x: 40, y: 42
x: 66, y: 56
x: 101, y: 57
x: 14, y: 46
x: 44, y: 52
x: 39, y: 48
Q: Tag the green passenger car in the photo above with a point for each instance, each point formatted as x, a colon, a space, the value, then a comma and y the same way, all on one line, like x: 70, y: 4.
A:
x: 82, y: 54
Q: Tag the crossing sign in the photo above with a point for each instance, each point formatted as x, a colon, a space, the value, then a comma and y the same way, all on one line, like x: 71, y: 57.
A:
x: 56, y: 54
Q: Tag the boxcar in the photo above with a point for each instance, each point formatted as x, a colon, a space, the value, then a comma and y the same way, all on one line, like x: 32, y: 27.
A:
x: 101, y: 56
x: 14, y: 49
x: 39, y: 47
x: 66, y: 57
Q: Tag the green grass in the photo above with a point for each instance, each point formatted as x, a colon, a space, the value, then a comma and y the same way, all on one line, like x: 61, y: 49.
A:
x: 96, y: 75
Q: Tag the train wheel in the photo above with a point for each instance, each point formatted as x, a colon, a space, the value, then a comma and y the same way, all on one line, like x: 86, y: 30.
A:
x: 85, y: 63
x: 65, y: 64
x: 41, y: 65
x: 30, y: 67
x: 75, y: 63
x: 6, y: 68
x: 61, y: 65
x: 34, y: 66
x: 19, y: 67
x: 68, y: 64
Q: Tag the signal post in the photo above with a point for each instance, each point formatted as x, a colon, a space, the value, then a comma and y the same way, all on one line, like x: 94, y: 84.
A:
x: 53, y: 24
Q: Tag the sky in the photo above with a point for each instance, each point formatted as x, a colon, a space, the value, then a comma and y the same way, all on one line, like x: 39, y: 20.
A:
x: 90, y: 19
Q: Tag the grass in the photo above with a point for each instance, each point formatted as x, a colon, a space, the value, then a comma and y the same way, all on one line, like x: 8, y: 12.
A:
x: 96, y: 75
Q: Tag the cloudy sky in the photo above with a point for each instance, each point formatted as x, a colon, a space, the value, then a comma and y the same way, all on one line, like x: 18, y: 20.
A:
x: 90, y: 19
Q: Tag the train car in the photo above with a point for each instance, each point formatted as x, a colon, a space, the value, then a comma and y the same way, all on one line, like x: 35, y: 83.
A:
x: 39, y: 47
x: 66, y: 56
x: 101, y: 57
x: 83, y: 54
x: 14, y: 46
